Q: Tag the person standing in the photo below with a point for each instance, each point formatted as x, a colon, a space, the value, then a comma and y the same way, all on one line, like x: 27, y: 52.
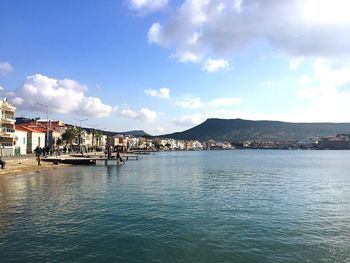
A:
x: 119, y: 157
x: 38, y: 152
x: 2, y: 163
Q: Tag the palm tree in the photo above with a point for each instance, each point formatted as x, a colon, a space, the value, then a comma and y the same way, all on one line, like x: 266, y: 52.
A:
x: 70, y: 135
x: 98, y: 136
x: 93, y: 133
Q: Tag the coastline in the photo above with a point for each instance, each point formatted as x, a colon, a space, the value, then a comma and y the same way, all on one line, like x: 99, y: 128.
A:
x: 27, y: 165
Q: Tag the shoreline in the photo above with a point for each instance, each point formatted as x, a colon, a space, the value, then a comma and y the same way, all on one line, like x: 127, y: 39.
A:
x: 28, y: 165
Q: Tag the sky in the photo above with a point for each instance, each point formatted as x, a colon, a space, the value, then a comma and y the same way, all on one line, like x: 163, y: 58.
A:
x: 165, y: 66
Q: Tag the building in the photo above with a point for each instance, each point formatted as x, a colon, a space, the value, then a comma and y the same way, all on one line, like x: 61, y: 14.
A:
x: 35, y: 137
x: 53, y: 129
x: 339, y: 142
x: 21, y: 139
x: 7, y: 127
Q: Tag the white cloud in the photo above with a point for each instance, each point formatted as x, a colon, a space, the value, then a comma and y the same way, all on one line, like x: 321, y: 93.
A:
x: 62, y: 96
x: 187, y: 56
x: 1, y: 88
x: 163, y: 93
x: 220, y: 102
x: 268, y: 84
x: 154, y: 33
x: 294, y: 63
x: 197, y: 103
x: 190, y: 103
x: 305, y: 28
x: 5, y: 68
x: 159, y: 130
x: 214, y: 65
x: 305, y: 79
x: 197, y: 118
x: 189, y: 120
x: 328, y: 98
x: 143, y: 114
x: 147, y: 6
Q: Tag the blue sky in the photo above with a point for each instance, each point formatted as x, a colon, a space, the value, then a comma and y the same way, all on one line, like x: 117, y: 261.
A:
x: 165, y: 66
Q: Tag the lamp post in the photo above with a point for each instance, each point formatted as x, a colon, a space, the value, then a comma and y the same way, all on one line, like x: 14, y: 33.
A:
x: 47, y: 122
x: 80, y: 121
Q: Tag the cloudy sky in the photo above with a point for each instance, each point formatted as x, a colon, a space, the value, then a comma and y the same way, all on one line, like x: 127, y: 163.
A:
x: 165, y: 66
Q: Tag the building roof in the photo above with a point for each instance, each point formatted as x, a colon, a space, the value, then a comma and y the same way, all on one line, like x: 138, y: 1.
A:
x: 20, y: 128
x: 30, y: 129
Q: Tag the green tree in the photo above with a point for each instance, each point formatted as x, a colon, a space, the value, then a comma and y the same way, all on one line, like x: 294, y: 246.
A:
x: 70, y: 135
x: 98, y: 136
x: 59, y: 142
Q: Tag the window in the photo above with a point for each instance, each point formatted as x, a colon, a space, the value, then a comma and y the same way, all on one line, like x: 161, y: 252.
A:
x: 24, y: 140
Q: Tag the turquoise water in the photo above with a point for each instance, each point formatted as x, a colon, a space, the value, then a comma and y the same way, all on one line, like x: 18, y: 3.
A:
x: 212, y: 206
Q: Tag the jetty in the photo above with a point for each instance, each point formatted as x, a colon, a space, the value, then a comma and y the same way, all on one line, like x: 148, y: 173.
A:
x: 90, y: 159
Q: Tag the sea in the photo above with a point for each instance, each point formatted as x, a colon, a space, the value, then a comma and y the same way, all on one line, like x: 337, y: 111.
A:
x: 190, y: 206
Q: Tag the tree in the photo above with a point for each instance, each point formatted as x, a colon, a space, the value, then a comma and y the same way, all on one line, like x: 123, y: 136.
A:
x: 70, y: 135
x: 168, y: 145
x: 98, y: 136
x: 59, y: 142
x: 94, y: 134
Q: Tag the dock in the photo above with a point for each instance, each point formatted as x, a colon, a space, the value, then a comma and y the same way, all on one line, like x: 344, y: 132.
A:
x: 92, y: 159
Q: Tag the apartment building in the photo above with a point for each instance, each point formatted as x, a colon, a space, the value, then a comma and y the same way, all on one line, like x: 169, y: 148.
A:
x: 7, y: 127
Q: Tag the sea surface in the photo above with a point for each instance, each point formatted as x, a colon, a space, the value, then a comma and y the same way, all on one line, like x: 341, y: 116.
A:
x: 210, y: 206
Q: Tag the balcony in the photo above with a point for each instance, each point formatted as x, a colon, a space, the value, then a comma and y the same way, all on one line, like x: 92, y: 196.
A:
x: 7, y: 132
x: 6, y: 144
x: 8, y: 118
x: 8, y: 106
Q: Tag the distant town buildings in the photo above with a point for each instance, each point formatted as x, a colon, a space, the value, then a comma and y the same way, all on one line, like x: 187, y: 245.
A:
x: 20, y: 136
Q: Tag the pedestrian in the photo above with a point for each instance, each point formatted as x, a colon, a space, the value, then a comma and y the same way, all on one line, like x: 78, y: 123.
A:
x: 119, y: 157
x: 109, y: 152
x: 2, y: 163
x: 37, y: 151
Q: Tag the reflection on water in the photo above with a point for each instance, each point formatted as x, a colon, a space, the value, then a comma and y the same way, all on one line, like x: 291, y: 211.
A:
x: 232, y: 206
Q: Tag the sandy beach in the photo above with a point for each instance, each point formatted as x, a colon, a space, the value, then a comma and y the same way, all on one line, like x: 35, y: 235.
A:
x: 27, y: 165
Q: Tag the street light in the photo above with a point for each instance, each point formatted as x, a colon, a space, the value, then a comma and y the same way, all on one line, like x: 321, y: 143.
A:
x: 47, y: 122
x: 80, y: 120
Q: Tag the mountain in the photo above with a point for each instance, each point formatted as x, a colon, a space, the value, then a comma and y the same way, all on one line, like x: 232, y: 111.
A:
x: 247, y: 130
x: 135, y: 133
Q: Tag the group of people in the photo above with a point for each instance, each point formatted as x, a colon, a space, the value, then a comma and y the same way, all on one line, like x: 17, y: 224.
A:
x: 45, y: 151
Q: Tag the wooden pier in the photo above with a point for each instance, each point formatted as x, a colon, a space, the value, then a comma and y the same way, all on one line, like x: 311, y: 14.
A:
x: 94, y: 159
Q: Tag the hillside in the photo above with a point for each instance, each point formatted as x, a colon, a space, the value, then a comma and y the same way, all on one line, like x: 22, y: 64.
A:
x: 247, y: 130
x: 135, y: 133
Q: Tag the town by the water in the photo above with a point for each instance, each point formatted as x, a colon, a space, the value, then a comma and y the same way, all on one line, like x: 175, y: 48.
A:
x: 21, y: 136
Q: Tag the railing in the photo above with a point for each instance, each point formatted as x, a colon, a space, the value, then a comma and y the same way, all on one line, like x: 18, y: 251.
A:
x: 6, y: 117
x: 6, y: 130
x: 6, y: 144
x: 9, y: 104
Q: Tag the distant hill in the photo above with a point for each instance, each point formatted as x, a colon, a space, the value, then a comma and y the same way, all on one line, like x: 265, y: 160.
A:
x: 135, y: 133
x: 247, y: 130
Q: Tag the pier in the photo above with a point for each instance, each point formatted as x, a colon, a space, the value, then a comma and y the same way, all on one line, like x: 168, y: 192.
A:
x: 90, y: 159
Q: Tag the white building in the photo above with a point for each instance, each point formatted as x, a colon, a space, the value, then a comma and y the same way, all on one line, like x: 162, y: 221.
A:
x: 21, y: 140
x: 35, y: 137
x: 7, y: 127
